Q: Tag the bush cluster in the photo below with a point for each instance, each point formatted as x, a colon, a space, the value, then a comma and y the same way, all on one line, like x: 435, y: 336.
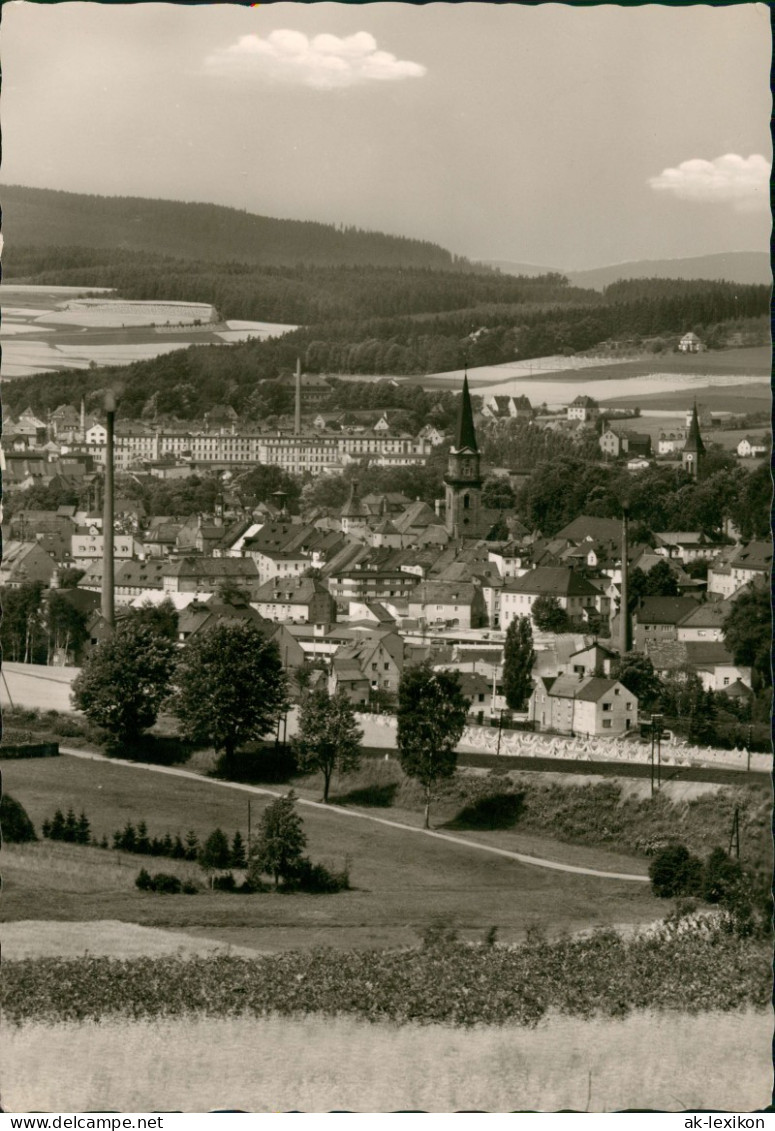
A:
x: 682, y: 967
x: 216, y: 852
x: 17, y: 828
x: 744, y: 896
x: 164, y: 883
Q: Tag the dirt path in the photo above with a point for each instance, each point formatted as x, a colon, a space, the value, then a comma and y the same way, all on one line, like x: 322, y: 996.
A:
x: 356, y: 814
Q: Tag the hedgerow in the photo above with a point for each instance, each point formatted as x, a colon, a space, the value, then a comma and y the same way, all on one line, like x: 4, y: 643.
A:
x: 685, y: 965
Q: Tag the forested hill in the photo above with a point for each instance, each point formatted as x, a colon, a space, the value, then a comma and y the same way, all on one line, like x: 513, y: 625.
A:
x: 44, y: 217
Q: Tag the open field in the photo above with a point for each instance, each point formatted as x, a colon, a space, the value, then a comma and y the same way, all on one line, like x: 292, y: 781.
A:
x: 49, y: 328
x: 667, y: 1062
x: 110, y: 938
x: 401, y: 881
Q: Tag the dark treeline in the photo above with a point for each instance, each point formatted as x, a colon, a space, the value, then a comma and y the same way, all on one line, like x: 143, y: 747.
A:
x: 44, y: 217
x: 290, y: 294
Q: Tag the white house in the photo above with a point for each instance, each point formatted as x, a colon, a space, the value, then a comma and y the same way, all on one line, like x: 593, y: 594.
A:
x: 690, y: 343
x: 751, y: 446
x: 584, y: 408
x: 584, y: 706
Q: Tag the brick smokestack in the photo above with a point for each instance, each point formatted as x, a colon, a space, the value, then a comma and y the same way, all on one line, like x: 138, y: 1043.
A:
x: 297, y: 411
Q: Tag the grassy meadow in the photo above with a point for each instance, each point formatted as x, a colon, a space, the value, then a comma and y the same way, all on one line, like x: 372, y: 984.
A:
x: 401, y: 882
x: 667, y: 1062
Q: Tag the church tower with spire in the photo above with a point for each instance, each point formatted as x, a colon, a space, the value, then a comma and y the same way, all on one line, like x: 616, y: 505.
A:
x: 463, y: 479
x: 693, y: 453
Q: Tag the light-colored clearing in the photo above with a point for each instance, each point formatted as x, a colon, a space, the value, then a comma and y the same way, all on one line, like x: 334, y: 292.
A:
x: 109, y: 938
x: 316, y: 1064
x: 82, y: 868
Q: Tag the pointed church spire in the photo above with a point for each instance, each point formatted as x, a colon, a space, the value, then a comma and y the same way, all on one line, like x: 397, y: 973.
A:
x: 465, y: 435
x: 694, y: 439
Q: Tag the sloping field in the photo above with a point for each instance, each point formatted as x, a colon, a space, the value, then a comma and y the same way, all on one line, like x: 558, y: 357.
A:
x: 665, y: 1062
x: 111, y: 938
x: 401, y: 881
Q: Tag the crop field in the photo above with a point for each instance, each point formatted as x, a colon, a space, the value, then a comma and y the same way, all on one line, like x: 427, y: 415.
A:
x: 667, y: 1063
x: 49, y: 328
x: 401, y: 881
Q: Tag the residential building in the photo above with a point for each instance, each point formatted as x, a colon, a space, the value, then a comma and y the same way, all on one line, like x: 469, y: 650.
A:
x: 583, y: 409
x: 299, y: 600
x: 656, y: 619
x: 587, y: 706
x: 456, y: 603
x: 575, y: 594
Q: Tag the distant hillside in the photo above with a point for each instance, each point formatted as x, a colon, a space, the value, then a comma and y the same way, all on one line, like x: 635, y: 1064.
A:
x: 46, y: 218
x: 528, y: 269
x: 732, y: 266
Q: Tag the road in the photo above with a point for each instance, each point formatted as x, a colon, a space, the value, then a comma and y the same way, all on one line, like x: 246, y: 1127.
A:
x: 356, y: 814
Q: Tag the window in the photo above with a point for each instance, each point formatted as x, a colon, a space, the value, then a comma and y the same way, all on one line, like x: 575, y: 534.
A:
x: 616, y: 691
x: 726, y: 681
x: 373, y: 667
x: 387, y: 667
x: 607, y: 724
x: 606, y: 706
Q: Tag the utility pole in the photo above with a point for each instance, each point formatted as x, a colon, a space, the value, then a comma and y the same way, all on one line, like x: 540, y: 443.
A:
x: 108, y: 593
x: 734, y: 836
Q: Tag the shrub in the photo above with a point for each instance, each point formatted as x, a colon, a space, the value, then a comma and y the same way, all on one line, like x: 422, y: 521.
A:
x: 16, y: 825
x: 317, y: 879
x: 144, y: 881
x: 674, y: 871
x: 188, y: 887
x: 166, y: 884
x: 225, y: 882
x: 441, y: 934
x: 720, y: 877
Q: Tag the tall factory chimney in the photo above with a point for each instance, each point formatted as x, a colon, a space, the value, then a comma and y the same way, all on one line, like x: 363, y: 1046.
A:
x: 108, y: 593
x: 625, y: 635
x: 297, y: 412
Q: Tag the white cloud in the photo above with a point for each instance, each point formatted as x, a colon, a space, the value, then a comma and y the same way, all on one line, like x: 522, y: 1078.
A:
x: 742, y: 182
x: 324, y: 62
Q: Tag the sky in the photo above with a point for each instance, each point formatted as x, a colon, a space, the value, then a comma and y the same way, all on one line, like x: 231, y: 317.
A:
x: 551, y: 135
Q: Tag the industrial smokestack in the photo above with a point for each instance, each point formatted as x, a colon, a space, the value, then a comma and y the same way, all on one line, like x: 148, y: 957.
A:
x: 297, y: 413
x: 108, y: 595
x: 625, y: 637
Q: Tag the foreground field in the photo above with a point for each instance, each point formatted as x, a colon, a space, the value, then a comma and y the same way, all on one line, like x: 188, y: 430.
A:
x: 666, y: 1062
x: 402, y: 881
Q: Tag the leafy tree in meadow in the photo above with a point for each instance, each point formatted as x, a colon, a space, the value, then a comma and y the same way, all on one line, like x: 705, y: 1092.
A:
x: 432, y: 712
x: 231, y: 687
x: 518, y: 660
x: 279, y: 844
x: 215, y: 851
x: 329, y: 738
x: 125, y: 680
x: 549, y: 615
x: 748, y: 634
x: 675, y: 872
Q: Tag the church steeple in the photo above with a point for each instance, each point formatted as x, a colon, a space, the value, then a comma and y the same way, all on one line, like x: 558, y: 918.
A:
x: 463, y: 479
x: 465, y: 435
x: 694, y: 449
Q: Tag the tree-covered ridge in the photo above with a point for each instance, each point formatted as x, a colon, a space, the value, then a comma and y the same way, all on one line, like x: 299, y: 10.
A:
x: 188, y: 382
x: 45, y: 217
x: 302, y: 292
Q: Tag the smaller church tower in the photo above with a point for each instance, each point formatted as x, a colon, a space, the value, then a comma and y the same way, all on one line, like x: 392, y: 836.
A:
x: 463, y: 479
x: 693, y: 453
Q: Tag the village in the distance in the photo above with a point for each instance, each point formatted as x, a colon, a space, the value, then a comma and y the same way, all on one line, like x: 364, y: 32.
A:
x: 386, y: 561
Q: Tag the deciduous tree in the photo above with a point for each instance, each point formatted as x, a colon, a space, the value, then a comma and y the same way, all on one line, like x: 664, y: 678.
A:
x: 329, y: 738
x: 231, y: 687
x: 125, y: 680
x: 279, y: 843
x: 549, y: 615
x: 431, y: 715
